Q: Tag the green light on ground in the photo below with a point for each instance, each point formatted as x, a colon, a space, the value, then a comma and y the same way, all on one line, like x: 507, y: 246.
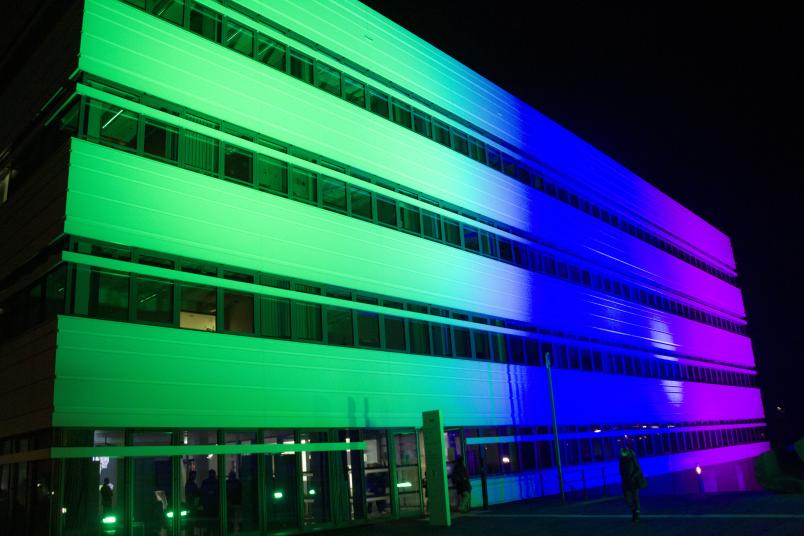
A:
x: 312, y: 492
x: 170, y: 515
x: 109, y: 520
x: 404, y: 485
x: 278, y: 495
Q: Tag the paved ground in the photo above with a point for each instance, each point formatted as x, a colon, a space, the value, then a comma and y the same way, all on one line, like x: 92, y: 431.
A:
x: 716, y: 514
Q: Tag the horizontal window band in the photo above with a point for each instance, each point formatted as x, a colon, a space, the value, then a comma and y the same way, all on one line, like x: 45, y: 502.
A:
x: 256, y: 148
x: 26, y: 456
x: 262, y: 290
x: 493, y: 440
x: 200, y: 450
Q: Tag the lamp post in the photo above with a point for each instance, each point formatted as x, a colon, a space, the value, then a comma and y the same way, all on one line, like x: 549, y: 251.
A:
x: 555, y: 429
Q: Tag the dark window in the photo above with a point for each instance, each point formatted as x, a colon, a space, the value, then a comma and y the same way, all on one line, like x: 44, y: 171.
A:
x: 441, y: 131
x: 161, y: 140
x: 306, y: 316
x: 327, y: 78
x: 378, y: 103
x: 354, y: 91
x: 239, y: 38
x: 419, y: 332
x: 272, y: 174
x: 303, y: 185
x: 477, y: 150
x: 200, y: 153
x: 270, y: 52
x: 401, y: 114
x: 488, y: 244
x: 275, y: 317
x: 442, y: 345
x: 460, y: 142
x: 422, y: 124
x: 368, y: 324
x: 333, y: 194
x: 463, y: 344
x: 170, y: 10
x: 494, y: 158
x: 238, y: 312
x: 112, y: 125
x: 301, y: 67
x: 394, y: 329
x: 509, y: 165
x: 361, y: 202
x: 409, y: 218
x: 386, y: 211
x: 339, y: 326
x: 154, y: 300
x: 452, y: 233
x: 237, y: 164
x: 470, y: 239
x: 108, y: 294
x: 431, y: 225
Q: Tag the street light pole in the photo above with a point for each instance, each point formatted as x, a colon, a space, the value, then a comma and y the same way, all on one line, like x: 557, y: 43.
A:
x: 555, y: 429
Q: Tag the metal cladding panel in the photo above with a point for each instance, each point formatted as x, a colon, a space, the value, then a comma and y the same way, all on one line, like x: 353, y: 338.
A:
x: 131, y: 375
x: 364, y: 36
x: 126, y: 199
x: 121, y: 374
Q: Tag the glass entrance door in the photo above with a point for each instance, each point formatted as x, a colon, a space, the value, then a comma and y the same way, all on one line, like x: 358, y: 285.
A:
x: 407, y: 494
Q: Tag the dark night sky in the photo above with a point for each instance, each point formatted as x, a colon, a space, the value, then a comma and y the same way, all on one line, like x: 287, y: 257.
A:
x: 704, y: 104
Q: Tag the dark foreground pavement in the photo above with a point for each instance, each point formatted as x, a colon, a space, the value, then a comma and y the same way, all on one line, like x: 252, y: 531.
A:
x: 715, y: 514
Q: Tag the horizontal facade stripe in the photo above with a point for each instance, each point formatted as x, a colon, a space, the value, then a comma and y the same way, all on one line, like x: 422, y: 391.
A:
x: 200, y: 450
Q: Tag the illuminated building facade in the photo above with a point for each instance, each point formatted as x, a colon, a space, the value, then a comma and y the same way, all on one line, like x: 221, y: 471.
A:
x: 262, y: 237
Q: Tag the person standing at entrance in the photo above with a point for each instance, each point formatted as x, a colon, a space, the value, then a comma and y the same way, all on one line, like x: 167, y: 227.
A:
x: 632, y: 478
x: 463, y: 487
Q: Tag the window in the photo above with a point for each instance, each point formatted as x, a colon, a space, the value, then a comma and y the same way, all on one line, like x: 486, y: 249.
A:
x: 239, y: 38
x: 169, y: 10
x: 477, y: 150
x: 301, y: 67
x: 441, y: 131
x: 419, y: 332
x: 378, y: 103
x: 154, y: 300
x: 198, y: 307
x: 354, y: 91
x: 452, y: 233
x: 237, y: 164
x: 161, y: 140
x: 361, y: 203
x: 470, y: 239
x: 401, y: 114
x: 328, y: 79
x: 306, y: 316
x: 339, y: 323
x: 275, y: 317
x: 333, y: 194
x: 238, y: 307
x: 440, y: 333
x: 509, y: 165
x: 303, y: 185
x: 409, y: 218
x: 431, y: 225
x: 422, y: 124
x: 111, y: 125
x: 368, y: 324
x: 271, y: 52
x: 494, y: 158
x: 462, y: 342
x: 108, y: 294
x: 460, y: 142
x: 201, y: 153
x: 394, y: 328
x: 272, y: 174
x: 205, y: 22
x: 386, y: 211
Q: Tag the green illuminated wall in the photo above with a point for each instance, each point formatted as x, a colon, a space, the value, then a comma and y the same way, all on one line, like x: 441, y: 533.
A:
x: 126, y: 199
x: 128, y: 46
x: 119, y: 374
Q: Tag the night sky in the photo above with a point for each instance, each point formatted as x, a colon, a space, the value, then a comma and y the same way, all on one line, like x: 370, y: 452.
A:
x: 705, y: 104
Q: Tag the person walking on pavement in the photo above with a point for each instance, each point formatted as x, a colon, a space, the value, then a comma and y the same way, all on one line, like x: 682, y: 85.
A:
x: 632, y: 478
x: 463, y: 487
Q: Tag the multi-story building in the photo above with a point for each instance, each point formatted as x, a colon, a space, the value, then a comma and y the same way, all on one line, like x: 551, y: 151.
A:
x: 262, y: 237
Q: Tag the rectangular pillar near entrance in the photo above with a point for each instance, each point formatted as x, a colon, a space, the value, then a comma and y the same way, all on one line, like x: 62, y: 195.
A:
x: 436, y: 472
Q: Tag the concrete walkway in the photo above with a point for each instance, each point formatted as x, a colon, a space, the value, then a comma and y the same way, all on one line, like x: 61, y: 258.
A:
x: 716, y: 514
